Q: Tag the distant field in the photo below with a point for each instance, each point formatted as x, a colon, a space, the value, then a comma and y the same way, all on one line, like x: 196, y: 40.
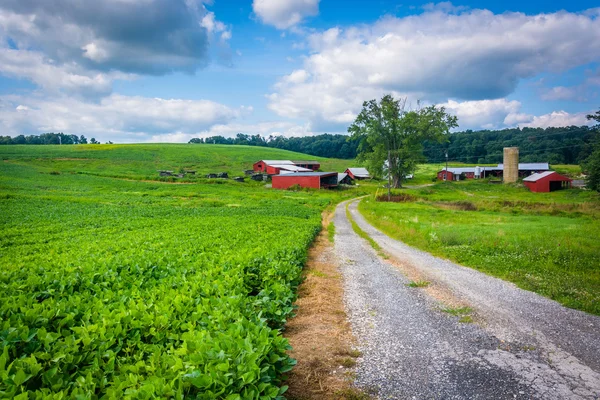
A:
x: 112, y: 286
x: 142, y: 161
x: 544, y: 242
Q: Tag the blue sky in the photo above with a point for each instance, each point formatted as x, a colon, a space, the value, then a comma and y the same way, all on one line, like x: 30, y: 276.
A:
x: 170, y: 70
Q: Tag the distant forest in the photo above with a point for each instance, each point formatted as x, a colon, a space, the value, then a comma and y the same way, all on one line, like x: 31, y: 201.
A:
x: 568, y: 145
x: 47, y: 138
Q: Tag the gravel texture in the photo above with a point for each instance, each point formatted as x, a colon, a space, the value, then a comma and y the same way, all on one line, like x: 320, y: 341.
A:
x: 523, y: 345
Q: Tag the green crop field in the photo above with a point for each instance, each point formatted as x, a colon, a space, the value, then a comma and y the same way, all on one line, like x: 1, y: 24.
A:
x: 112, y: 286
x: 544, y: 242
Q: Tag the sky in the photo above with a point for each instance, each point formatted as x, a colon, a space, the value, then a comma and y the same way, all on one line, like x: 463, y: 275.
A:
x: 131, y: 71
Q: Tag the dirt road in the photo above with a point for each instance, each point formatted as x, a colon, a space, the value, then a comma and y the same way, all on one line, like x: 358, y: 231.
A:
x: 521, y: 344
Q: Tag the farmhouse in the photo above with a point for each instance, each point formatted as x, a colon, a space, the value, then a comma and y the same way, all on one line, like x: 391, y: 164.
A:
x: 358, y: 173
x: 548, y: 181
x: 274, y: 167
x: 316, y: 180
x: 454, y: 174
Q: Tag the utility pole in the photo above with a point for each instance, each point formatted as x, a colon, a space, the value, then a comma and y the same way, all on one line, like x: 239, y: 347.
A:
x: 446, y: 173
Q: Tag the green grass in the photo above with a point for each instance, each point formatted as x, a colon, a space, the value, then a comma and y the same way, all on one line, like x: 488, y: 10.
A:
x: 418, y: 284
x: 331, y: 231
x: 141, y: 161
x: 364, y: 234
x: 544, y: 242
x: 112, y: 285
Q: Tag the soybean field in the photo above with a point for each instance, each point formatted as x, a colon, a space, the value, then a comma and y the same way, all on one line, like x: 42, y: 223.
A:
x: 113, y: 286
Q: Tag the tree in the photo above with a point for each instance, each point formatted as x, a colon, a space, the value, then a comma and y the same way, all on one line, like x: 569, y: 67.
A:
x: 94, y: 141
x: 82, y: 140
x: 591, y: 165
x: 391, y: 138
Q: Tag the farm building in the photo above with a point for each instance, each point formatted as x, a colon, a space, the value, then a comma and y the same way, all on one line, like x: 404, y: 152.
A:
x: 358, y: 173
x: 548, y: 181
x: 525, y: 169
x: 316, y: 180
x: 274, y: 167
x: 344, y: 178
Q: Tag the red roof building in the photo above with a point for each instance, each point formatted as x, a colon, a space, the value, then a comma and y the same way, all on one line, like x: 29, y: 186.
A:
x: 316, y: 180
x: 548, y: 181
x: 273, y: 167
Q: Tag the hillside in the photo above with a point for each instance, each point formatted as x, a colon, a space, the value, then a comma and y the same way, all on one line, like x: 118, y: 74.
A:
x: 141, y: 161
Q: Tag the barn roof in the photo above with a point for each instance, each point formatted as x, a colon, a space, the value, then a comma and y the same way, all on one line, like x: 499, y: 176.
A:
x: 278, y: 162
x: 309, y: 174
x: 306, y: 162
x: 530, y: 166
x: 537, y: 177
x: 342, y: 176
x: 360, y: 172
x: 292, y: 168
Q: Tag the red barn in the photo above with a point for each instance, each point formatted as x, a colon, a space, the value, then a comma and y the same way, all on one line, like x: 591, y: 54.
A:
x: 274, y: 167
x: 316, y: 180
x: 548, y: 181
x: 358, y: 173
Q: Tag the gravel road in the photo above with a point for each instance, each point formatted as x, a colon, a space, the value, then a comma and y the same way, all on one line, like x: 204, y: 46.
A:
x: 523, y: 346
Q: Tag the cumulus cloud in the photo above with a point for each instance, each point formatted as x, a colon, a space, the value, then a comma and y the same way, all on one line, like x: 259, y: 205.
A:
x: 265, y: 129
x: 284, y: 14
x: 488, y: 114
x: 115, y: 117
x: 556, y: 118
x: 145, y: 36
x: 467, y: 56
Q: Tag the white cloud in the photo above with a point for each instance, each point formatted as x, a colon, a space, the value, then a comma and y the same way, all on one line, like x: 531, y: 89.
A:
x: 116, y: 117
x: 434, y: 56
x: 265, y: 129
x: 86, y: 45
x: 561, y: 93
x: 70, y: 78
x: 556, y: 118
x: 488, y: 114
x: 284, y: 14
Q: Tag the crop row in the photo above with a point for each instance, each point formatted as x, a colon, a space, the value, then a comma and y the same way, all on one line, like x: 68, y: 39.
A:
x: 120, y: 301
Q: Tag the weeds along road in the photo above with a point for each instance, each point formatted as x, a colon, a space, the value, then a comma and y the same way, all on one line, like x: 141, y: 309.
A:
x: 521, y: 344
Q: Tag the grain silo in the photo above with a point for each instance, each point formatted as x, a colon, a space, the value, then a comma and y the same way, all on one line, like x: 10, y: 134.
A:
x: 511, y: 164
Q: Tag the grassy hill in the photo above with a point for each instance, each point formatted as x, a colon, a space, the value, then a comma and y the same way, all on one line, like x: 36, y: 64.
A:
x: 141, y: 161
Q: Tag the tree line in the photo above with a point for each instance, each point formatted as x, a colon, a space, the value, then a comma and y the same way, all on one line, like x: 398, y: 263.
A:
x: 47, y: 138
x: 567, y: 145
x: 325, y: 145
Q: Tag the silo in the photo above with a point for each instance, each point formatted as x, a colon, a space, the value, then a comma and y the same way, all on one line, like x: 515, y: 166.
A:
x: 511, y: 164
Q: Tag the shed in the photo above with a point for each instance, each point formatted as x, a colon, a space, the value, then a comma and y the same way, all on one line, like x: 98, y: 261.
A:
x: 316, y: 180
x: 548, y: 181
x: 310, y: 164
x: 344, y: 178
x: 358, y: 173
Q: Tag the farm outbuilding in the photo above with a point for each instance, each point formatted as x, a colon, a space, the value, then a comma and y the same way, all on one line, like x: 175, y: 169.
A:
x: 316, y: 180
x: 344, y: 179
x: 358, y: 173
x: 275, y: 167
x: 548, y: 181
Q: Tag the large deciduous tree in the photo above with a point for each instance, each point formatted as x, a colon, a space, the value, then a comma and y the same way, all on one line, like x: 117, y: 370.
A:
x: 591, y: 165
x: 392, y: 136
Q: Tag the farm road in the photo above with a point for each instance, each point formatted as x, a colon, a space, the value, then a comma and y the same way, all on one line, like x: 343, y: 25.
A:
x: 523, y: 345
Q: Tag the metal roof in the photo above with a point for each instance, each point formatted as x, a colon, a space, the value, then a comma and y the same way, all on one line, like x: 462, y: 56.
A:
x: 537, y: 177
x: 530, y: 166
x: 306, y: 162
x: 309, y: 174
x: 341, y: 176
x: 278, y: 162
x: 460, y: 170
x: 362, y: 172
x: 292, y: 168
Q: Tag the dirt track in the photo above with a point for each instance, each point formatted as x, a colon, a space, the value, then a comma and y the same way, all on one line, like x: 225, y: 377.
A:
x: 521, y: 344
